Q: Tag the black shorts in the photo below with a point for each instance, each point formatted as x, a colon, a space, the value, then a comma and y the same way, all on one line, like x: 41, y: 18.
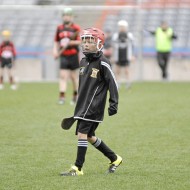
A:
x: 70, y: 62
x: 6, y: 63
x: 123, y: 63
x: 86, y: 127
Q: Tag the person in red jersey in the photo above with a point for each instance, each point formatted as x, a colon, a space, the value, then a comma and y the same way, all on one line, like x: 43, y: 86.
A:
x: 66, y: 47
x: 7, y: 59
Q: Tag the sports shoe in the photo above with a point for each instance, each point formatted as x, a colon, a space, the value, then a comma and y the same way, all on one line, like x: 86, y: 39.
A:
x: 74, y: 171
x: 13, y: 87
x: 1, y: 86
x: 61, y: 101
x: 72, y: 102
x: 113, y: 165
x: 128, y: 85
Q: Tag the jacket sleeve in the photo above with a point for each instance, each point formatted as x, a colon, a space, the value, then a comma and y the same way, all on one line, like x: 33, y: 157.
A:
x: 174, y: 36
x: 152, y: 32
x: 113, y: 88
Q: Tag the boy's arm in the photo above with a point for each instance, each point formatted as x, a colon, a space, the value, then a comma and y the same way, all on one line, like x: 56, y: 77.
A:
x: 75, y: 38
x: 113, y: 88
x: 174, y: 36
x: 14, y: 51
x: 55, y: 49
x: 0, y: 53
x: 150, y: 32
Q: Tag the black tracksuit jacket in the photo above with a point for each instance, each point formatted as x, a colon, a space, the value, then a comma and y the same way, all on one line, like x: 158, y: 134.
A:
x: 96, y: 78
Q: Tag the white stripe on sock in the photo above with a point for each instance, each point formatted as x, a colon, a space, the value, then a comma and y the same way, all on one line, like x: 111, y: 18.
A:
x: 82, y: 143
x: 97, y: 143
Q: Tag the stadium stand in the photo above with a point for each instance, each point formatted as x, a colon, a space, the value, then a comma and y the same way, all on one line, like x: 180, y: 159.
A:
x: 36, y: 28
x: 18, y: 2
x: 175, y: 12
x: 33, y: 29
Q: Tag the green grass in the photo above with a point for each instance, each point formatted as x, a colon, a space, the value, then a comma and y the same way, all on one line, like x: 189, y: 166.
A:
x: 151, y: 132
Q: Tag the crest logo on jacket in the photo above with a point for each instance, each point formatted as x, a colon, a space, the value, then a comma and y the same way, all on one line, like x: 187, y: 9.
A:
x: 94, y: 73
x: 81, y: 70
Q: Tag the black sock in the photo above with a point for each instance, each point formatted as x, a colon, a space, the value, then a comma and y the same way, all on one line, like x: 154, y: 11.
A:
x: 102, y: 147
x: 82, y: 148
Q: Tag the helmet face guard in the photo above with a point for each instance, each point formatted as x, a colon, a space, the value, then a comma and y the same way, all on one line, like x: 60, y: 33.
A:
x: 94, y: 37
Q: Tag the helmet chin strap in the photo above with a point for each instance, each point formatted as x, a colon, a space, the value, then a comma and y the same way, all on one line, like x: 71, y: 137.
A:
x: 98, y: 43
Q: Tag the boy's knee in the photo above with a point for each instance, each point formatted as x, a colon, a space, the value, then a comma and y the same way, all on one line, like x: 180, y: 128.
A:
x: 91, y: 139
x: 82, y: 136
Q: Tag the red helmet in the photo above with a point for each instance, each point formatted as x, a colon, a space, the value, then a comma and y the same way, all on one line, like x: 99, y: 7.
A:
x: 95, y: 33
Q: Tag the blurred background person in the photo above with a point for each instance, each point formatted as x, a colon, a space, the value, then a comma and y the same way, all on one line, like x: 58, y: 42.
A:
x: 7, y: 59
x: 123, y: 51
x: 66, y: 48
x: 108, y: 49
x: 164, y: 36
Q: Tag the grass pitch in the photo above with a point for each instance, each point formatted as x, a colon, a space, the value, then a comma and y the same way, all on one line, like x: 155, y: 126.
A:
x: 151, y: 132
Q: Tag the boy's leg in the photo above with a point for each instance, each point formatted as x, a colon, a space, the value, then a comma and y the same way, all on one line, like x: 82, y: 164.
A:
x: 161, y: 63
x: 75, y: 85
x: 117, y: 74
x: 1, y: 78
x: 74, y: 65
x: 63, y: 78
x: 10, y: 74
x: 81, y: 152
x: 166, y: 60
x: 127, y: 73
x: 102, y: 147
x: 1, y: 75
x: 82, y: 130
x: 64, y: 74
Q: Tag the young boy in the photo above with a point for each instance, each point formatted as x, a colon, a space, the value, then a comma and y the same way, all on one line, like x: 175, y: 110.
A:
x: 66, y: 44
x: 7, y: 59
x: 95, y: 79
x: 123, y: 42
x: 164, y: 36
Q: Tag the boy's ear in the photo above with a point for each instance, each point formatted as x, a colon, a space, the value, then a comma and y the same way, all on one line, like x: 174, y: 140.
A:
x: 100, y: 44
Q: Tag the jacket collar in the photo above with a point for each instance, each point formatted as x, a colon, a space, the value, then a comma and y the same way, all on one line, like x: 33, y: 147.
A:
x: 93, y: 56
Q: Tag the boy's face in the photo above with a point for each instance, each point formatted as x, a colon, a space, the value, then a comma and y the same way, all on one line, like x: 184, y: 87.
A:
x: 122, y: 29
x: 164, y: 25
x: 67, y: 18
x: 6, y: 38
x: 89, y: 45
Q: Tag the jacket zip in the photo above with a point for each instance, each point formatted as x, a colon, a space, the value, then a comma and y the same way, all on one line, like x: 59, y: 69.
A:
x: 91, y: 101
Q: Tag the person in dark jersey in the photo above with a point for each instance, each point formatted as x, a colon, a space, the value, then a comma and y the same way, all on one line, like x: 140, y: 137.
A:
x: 108, y: 49
x: 123, y: 42
x: 96, y: 78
